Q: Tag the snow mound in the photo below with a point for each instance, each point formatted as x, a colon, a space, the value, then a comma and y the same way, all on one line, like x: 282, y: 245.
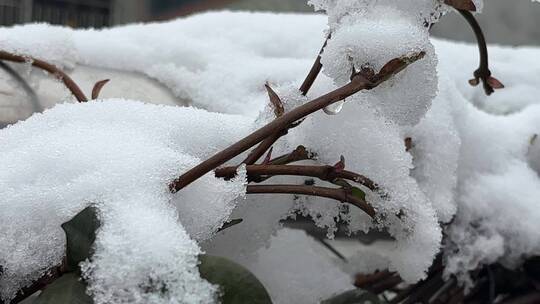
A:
x: 120, y: 156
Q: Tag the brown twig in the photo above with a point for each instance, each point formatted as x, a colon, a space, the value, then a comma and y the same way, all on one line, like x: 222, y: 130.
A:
x: 326, y: 173
x: 314, y: 72
x: 462, y: 4
x: 259, y: 151
x: 51, y: 69
x: 358, y: 83
x: 299, y: 154
x: 278, y: 108
x: 341, y: 195
x: 482, y: 73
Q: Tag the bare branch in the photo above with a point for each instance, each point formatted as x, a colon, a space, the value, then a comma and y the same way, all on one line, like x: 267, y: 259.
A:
x: 314, y: 72
x: 341, y: 195
x: 482, y: 73
x: 326, y: 173
x: 299, y: 154
x: 462, y: 4
x: 51, y: 69
x: 258, y: 152
x: 358, y: 83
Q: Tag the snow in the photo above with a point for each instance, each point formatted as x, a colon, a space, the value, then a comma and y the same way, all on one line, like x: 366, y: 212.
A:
x: 474, y: 164
x: 360, y: 45
x: 119, y: 155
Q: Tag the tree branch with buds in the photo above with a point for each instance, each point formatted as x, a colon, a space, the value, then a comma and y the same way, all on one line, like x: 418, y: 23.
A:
x: 357, y: 84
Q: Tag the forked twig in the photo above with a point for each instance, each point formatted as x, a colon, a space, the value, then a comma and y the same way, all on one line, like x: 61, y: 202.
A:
x: 326, y: 173
x: 483, y: 73
x: 357, y: 84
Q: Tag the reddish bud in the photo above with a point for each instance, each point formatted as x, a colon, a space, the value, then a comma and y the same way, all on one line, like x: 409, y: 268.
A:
x: 495, y: 83
x: 97, y: 88
x: 340, y: 166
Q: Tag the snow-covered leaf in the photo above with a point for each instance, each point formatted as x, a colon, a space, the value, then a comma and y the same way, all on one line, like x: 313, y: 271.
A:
x: 80, y: 236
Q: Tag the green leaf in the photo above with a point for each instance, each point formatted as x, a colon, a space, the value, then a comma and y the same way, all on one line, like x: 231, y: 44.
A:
x: 357, y: 192
x: 357, y: 296
x: 80, y: 236
x: 237, y: 285
x: 68, y: 289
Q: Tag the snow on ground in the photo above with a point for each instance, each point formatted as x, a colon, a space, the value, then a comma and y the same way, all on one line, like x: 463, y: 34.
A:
x: 474, y: 158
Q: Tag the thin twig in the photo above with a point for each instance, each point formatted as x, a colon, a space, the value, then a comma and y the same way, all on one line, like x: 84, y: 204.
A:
x: 259, y: 151
x: 462, y: 4
x: 341, y: 195
x: 332, y: 249
x: 357, y: 84
x: 51, y: 69
x: 482, y: 73
x: 314, y: 72
x: 299, y: 154
x: 274, y: 99
x: 326, y: 173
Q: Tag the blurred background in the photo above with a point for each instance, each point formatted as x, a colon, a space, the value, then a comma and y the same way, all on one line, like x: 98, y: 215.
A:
x: 514, y: 22
x: 509, y: 22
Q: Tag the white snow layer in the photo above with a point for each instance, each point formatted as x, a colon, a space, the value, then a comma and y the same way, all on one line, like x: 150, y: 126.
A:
x: 119, y: 155
x: 474, y: 158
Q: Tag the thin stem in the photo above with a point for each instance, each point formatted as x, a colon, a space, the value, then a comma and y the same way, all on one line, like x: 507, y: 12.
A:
x: 326, y: 173
x: 258, y: 152
x: 341, y: 195
x: 68, y: 82
x: 482, y: 44
x: 304, y: 88
x: 357, y: 84
x: 314, y: 72
x: 299, y: 154
x: 482, y: 73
